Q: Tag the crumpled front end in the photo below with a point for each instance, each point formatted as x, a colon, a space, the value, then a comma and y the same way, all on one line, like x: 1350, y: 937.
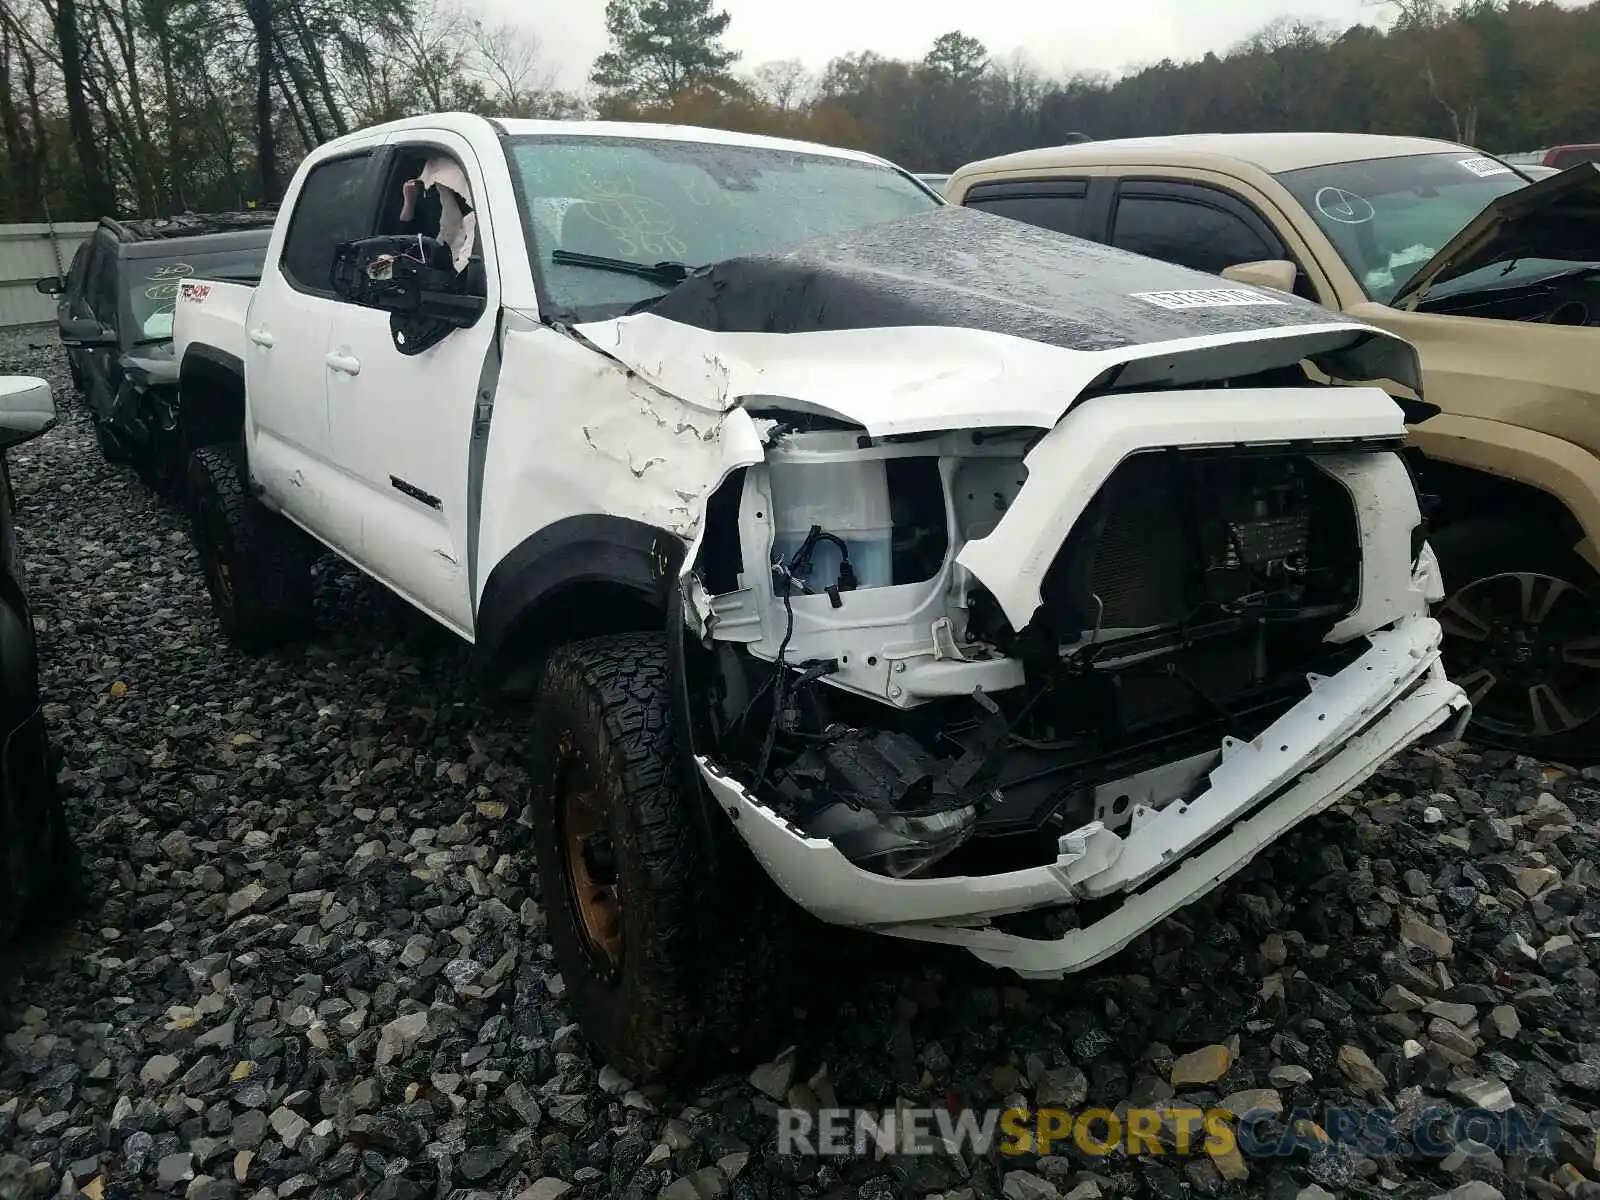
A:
x: 144, y: 411
x: 1030, y: 691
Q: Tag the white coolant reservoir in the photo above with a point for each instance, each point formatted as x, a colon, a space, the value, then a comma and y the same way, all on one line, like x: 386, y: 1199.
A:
x: 824, y: 479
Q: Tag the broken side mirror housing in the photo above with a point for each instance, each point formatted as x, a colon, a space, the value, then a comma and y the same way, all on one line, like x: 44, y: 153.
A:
x: 27, y: 409
x: 50, y: 285
x: 1278, y: 274
x: 83, y: 332
x: 409, y: 276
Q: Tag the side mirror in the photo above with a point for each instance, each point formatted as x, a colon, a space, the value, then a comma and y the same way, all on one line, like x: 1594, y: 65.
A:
x: 26, y: 409
x: 81, y: 332
x: 1276, y: 273
x: 52, y: 285
x: 408, y: 276
x: 413, y: 280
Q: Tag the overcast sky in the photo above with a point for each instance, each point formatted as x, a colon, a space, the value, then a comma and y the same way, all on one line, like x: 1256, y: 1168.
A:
x: 1058, y: 36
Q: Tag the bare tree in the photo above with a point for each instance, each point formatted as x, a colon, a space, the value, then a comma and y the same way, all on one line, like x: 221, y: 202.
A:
x: 1016, y: 83
x: 24, y: 140
x: 786, y: 84
x: 507, y: 57
x: 1287, y: 33
x: 1434, y: 32
x: 1414, y: 14
x: 97, y: 190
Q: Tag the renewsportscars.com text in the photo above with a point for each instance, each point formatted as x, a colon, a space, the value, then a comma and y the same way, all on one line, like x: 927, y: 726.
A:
x: 1433, y: 1132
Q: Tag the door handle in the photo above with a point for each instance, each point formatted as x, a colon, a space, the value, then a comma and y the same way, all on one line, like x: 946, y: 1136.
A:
x: 261, y: 338
x: 344, y: 364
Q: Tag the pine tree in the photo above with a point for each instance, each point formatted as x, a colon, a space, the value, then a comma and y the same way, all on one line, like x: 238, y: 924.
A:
x: 661, y: 48
x: 957, y: 58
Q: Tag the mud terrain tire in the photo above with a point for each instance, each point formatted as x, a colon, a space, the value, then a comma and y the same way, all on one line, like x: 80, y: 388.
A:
x: 695, y: 978
x: 256, y: 569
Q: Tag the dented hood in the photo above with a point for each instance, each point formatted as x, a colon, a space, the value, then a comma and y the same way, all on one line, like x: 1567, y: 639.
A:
x: 1556, y: 218
x: 960, y: 319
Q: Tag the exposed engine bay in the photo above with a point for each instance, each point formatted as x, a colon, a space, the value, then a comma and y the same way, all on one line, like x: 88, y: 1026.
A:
x: 871, y: 691
x: 1570, y: 298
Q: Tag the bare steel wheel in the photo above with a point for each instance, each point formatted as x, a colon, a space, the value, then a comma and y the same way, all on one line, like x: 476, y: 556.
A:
x: 1521, y: 620
x: 669, y: 960
x: 590, y: 859
x: 214, y: 527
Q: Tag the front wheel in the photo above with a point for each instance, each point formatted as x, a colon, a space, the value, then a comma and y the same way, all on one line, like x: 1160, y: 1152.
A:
x: 161, y: 467
x: 111, y: 447
x: 1521, y: 619
x: 256, y: 570
x: 637, y: 915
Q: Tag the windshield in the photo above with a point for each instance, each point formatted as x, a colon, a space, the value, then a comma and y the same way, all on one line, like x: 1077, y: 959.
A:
x: 150, y: 285
x: 1388, y: 216
x: 649, y: 201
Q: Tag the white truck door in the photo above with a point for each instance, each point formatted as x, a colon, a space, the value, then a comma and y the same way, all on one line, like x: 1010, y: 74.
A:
x: 286, y: 342
x: 402, y: 423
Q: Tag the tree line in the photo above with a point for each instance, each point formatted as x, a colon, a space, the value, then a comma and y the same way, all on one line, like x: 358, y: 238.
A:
x: 151, y: 107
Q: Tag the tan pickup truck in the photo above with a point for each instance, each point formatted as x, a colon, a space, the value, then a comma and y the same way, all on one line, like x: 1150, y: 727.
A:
x: 1495, y: 280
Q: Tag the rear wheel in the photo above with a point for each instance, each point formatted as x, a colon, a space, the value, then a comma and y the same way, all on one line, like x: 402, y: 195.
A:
x: 256, y: 568
x: 1521, y: 618
x: 637, y: 915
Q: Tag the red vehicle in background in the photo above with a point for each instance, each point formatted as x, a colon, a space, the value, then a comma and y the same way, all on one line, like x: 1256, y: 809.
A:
x: 1558, y: 157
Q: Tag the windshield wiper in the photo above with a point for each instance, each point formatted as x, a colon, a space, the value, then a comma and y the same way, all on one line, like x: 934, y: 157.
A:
x: 1452, y: 290
x: 666, y: 274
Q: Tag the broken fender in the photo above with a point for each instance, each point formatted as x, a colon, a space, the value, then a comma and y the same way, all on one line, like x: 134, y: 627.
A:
x: 575, y: 433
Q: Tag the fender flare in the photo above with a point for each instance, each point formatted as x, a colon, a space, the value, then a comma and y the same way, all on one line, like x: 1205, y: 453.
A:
x: 1558, y: 468
x: 590, y: 549
x: 587, y: 549
x: 201, y: 352
x: 191, y: 404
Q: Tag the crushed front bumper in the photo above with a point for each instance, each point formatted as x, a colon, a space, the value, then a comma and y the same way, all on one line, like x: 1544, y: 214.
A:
x: 1347, y: 726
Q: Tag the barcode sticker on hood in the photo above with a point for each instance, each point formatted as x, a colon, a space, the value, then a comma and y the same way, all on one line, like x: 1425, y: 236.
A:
x: 1484, y: 167
x: 1207, y: 298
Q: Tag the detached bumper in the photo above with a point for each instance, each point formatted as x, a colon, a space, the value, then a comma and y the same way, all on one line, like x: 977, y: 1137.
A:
x: 1347, y: 726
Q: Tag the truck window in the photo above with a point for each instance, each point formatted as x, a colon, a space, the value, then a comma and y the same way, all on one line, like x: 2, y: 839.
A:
x: 74, y: 279
x: 100, y: 292
x: 645, y: 200
x: 333, y: 207
x: 1388, y: 216
x: 1057, y: 204
x: 1187, y: 232
x: 427, y: 219
x: 85, y: 265
x: 150, y: 285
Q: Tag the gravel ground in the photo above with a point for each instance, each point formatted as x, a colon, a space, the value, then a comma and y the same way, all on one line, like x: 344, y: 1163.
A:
x: 314, y: 963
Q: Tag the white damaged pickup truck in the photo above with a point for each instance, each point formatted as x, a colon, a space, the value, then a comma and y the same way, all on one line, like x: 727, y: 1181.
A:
x: 967, y: 582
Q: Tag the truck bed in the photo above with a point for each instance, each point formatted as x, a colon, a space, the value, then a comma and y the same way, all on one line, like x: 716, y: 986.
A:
x: 212, y: 313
